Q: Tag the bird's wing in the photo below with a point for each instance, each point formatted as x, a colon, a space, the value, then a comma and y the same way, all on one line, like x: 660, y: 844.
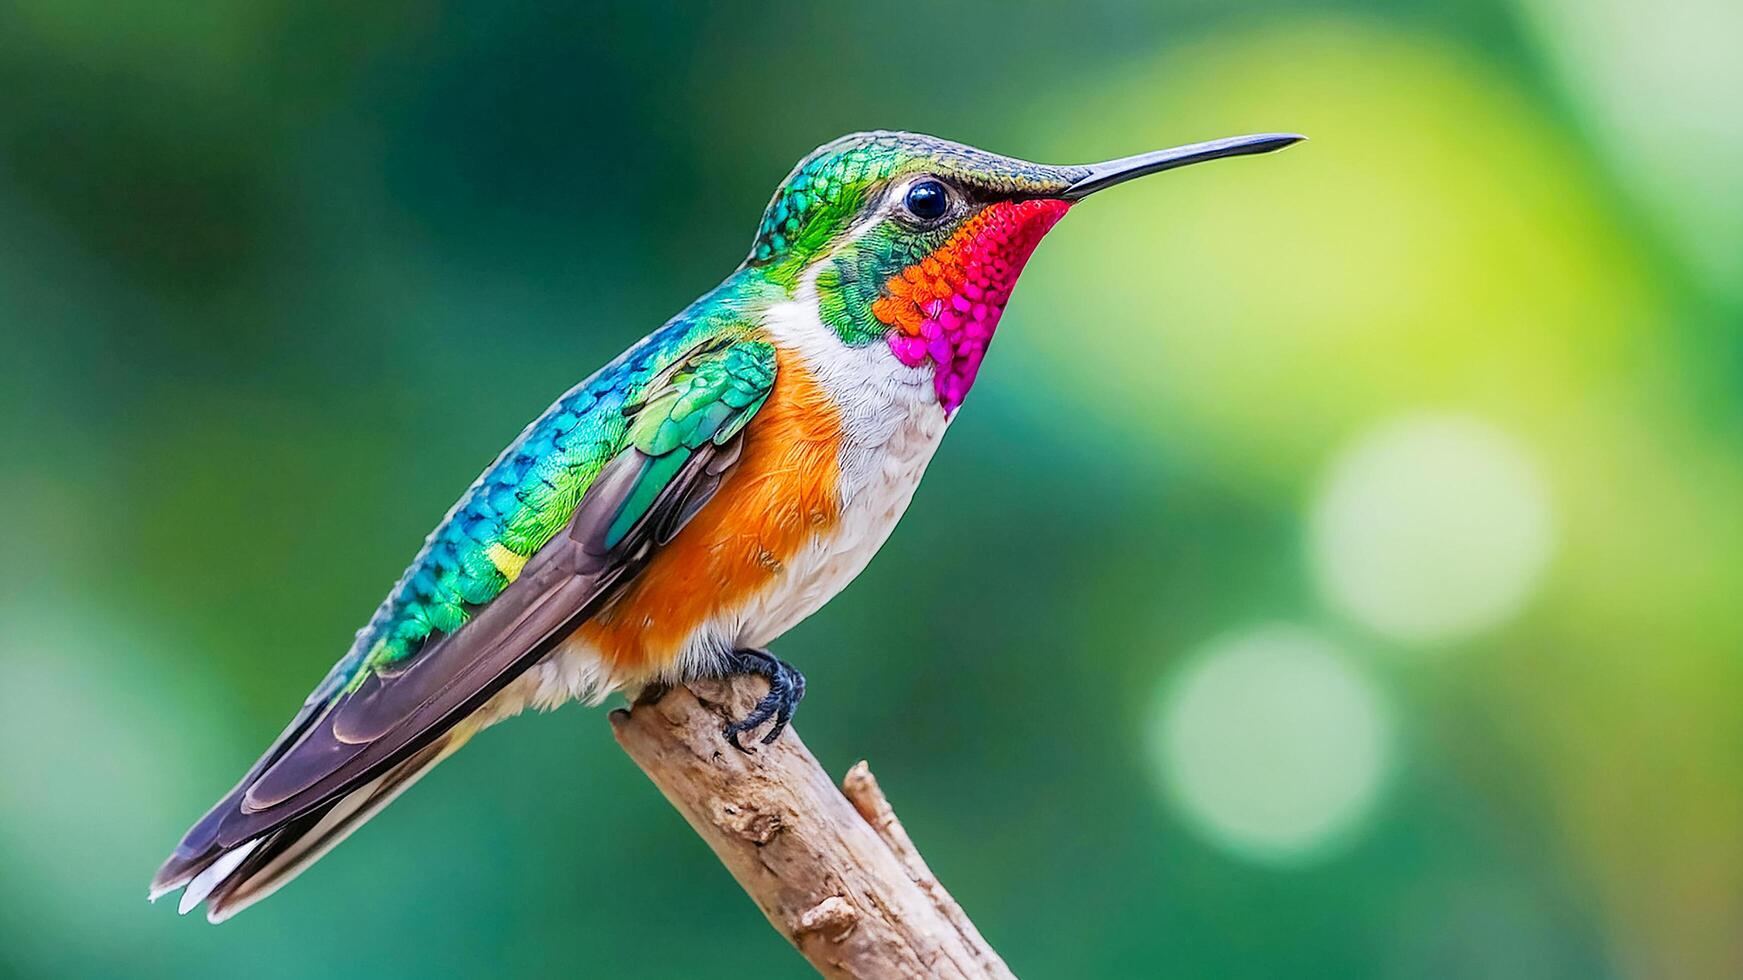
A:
x: 654, y: 454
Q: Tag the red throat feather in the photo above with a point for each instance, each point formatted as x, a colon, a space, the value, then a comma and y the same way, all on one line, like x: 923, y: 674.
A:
x: 945, y: 307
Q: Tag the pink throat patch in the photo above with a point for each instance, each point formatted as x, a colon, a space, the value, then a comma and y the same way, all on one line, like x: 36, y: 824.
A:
x: 945, y: 307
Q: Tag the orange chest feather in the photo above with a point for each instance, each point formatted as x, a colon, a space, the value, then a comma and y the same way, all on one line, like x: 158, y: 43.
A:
x: 783, y: 493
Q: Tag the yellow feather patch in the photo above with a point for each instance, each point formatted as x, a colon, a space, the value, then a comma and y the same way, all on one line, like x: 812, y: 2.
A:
x: 506, y: 561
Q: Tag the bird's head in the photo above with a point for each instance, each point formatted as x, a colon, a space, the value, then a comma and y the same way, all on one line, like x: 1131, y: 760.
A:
x: 916, y: 242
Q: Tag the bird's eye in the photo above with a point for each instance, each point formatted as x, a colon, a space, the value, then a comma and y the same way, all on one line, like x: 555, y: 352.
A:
x: 927, y: 200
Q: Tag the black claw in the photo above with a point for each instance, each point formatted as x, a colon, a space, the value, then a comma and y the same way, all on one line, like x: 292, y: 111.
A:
x: 786, y: 689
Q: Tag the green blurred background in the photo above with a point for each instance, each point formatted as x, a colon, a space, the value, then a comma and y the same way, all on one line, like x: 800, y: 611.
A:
x: 1335, y: 572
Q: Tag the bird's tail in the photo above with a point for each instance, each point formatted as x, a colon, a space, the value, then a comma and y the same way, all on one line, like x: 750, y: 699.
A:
x: 231, y: 879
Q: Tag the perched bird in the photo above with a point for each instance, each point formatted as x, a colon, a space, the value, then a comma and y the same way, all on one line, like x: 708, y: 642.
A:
x: 690, y: 502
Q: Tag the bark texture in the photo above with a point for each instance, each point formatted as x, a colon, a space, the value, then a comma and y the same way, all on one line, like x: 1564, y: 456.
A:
x: 832, y: 869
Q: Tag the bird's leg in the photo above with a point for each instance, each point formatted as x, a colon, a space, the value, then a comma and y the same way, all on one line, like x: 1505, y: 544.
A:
x: 786, y: 688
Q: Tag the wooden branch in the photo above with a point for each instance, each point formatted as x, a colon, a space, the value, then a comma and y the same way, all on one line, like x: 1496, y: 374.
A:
x: 836, y: 875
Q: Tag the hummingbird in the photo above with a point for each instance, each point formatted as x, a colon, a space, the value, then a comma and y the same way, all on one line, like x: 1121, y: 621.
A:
x: 673, y: 514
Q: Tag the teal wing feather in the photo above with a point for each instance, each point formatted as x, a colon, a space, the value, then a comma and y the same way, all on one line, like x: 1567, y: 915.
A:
x: 531, y: 491
x: 707, y: 401
x: 563, y: 517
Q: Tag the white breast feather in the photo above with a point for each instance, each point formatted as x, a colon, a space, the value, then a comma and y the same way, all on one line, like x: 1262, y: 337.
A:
x: 891, y: 425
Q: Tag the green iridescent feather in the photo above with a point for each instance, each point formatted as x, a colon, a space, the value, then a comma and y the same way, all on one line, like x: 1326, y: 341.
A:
x: 827, y: 189
x: 710, y: 398
x: 819, y: 201
x: 700, y: 377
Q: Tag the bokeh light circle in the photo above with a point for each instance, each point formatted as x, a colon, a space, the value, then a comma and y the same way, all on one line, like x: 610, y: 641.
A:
x: 1430, y: 528
x: 1272, y: 745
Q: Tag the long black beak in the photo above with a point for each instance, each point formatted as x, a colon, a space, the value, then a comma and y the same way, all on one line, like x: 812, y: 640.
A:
x: 1103, y: 175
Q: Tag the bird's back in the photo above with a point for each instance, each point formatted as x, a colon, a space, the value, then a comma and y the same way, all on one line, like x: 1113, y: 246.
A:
x: 516, y: 505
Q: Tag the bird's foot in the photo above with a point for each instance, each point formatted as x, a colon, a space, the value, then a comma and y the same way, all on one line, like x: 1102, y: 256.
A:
x: 786, y: 689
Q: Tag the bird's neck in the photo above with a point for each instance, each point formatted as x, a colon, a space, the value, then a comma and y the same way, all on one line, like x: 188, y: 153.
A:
x: 937, y: 313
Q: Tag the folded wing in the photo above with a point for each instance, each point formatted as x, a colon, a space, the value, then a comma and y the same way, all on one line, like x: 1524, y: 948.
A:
x: 380, y: 727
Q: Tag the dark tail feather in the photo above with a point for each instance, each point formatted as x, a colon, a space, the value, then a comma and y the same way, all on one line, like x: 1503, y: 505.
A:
x: 229, y: 879
x: 199, y: 848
